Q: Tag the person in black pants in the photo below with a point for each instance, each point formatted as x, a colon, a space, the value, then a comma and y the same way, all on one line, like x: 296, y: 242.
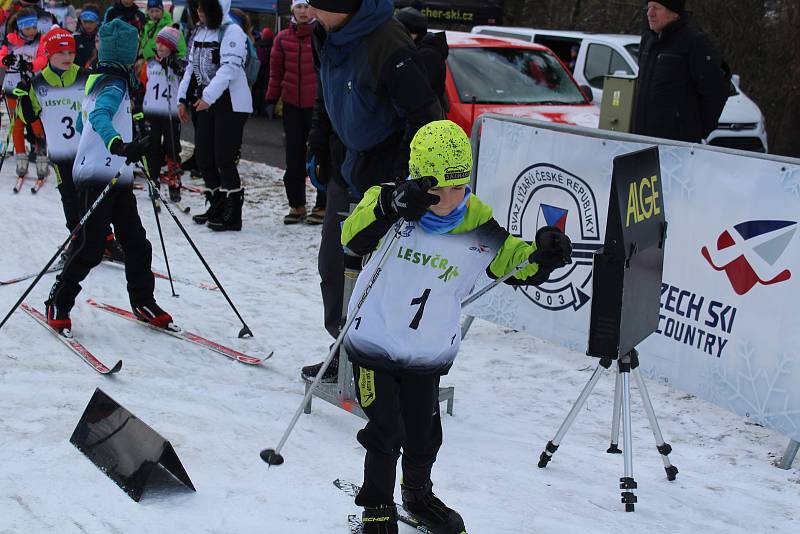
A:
x: 216, y: 83
x: 103, y: 158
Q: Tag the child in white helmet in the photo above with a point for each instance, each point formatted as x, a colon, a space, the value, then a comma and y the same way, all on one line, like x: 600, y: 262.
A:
x: 406, y: 334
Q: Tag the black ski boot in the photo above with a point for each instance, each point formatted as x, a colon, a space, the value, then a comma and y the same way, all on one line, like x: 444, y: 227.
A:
x: 58, y: 318
x: 309, y: 372
x: 379, y: 520
x: 214, y: 200
x: 230, y: 217
x: 113, y: 250
x: 150, y: 312
x: 431, y: 511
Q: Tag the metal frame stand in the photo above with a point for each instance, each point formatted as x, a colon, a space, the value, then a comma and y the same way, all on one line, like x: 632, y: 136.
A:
x: 627, y: 364
x: 789, y: 455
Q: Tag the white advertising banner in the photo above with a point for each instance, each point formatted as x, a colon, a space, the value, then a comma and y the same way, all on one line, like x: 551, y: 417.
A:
x: 729, y: 328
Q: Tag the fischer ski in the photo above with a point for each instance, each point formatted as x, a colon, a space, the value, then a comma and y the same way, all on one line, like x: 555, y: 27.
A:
x: 18, y: 186
x: 73, y: 344
x: 157, y: 274
x: 404, y: 517
x: 37, y: 185
x: 184, y: 334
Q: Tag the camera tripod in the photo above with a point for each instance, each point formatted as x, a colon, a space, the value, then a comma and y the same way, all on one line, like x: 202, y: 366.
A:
x: 627, y: 364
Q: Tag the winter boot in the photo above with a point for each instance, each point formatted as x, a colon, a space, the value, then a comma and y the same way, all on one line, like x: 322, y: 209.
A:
x: 153, y: 314
x: 379, y: 519
x: 214, y: 200
x: 42, y: 166
x: 429, y: 510
x: 309, y: 372
x: 113, y: 251
x: 174, y: 180
x: 58, y: 318
x: 295, y: 215
x: 231, y: 216
x: 317, y: 216
x: 22, y: 164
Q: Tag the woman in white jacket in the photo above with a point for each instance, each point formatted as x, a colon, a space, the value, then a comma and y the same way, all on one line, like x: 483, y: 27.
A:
x: 215, y: 85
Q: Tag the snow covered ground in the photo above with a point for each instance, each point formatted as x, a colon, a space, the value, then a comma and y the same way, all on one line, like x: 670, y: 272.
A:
x: 512, y: 392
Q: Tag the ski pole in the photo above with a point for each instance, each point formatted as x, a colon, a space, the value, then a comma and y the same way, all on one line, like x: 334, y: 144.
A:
x: 488, y: 287
x: 158, y: 225
x: 273, y: 456
x: 245, y: 331
x: 71, y: 236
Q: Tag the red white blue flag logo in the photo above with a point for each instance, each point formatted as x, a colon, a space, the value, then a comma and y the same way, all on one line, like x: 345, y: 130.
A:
x: 552, y: 216
x: 749, y: 253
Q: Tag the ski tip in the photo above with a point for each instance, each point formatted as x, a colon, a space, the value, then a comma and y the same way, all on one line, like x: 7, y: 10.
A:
x: 271, y: 457
x: 116, y: 368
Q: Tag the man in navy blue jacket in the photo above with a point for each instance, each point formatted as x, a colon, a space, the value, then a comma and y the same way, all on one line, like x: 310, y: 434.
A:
x: 373, y: 96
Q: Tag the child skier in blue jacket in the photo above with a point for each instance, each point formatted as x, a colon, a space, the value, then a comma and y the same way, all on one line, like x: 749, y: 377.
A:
x: 106, y: 147
x: 406, y: 333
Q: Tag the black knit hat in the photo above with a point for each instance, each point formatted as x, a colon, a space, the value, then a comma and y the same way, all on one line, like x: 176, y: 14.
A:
x: 414, y: 21
x: 678, y: 6
x: 336, y: 6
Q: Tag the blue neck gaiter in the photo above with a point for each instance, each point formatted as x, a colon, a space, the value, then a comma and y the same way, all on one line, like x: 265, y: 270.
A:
x: 437, y: 224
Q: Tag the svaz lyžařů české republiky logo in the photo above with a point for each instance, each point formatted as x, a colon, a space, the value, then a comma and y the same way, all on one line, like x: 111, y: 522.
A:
x: 546, y: 195
x: 749, y: 253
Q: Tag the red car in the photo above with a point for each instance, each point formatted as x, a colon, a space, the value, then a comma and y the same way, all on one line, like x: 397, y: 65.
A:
x: 509, y: 77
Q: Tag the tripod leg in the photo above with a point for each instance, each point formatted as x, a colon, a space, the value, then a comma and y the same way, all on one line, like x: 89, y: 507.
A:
x: 614, y: 448
x: 552, y: 445
x: 627, y: 483
x: 663, y: 448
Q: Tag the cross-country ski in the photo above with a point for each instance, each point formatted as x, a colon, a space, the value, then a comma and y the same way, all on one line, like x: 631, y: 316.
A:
x: 184, y: 335
x: 73, y: 344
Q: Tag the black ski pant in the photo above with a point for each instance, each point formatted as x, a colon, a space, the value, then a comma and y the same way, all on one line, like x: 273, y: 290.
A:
x: 165, y: 140
x: 118, y: 209
x: 69, y: 195
x: 296, y: 126
x: 403, y: 415
x: 330, y: 260
x: 218, y: 138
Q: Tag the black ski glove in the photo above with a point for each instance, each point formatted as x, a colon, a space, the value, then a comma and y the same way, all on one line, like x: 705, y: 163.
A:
x: 24, y: 66
x: 9, y: 60
x: 24, y: 87
x: 133, y: 151
x: 409, y: 200
x: 553, y: 250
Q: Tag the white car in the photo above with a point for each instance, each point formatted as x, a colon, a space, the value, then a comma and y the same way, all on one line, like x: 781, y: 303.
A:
x: 592, y: 56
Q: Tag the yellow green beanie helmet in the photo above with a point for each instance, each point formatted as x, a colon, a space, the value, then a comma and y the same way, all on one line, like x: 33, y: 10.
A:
x: 442, y: 150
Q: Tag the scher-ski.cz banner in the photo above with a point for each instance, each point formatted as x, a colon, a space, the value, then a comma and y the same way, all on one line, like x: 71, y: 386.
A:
x: 729, y: 329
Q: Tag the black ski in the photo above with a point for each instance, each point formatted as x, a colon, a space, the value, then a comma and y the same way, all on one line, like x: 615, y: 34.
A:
x: 352, y: 489
x: 73, y: 344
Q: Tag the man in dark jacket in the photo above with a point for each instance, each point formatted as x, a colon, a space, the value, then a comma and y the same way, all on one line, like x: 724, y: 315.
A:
x: 432, y: 48
x: 127, y: 11
x: 682, y: 84
x: 363, y: 123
